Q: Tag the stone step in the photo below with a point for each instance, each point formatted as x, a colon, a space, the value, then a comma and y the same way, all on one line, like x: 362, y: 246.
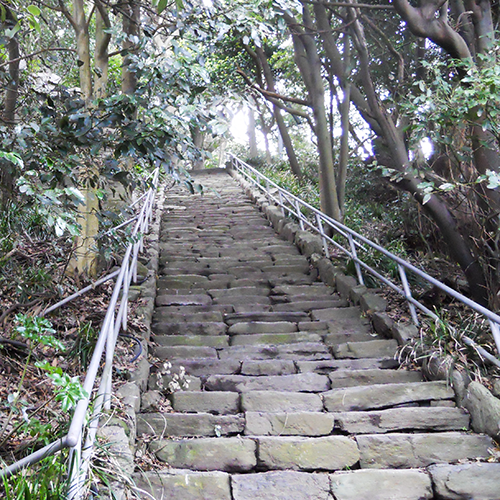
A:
x: 274, y: 338
x: 191, y: 340
x: 301, y: 351
x: 170, y: 315
x: 401, y: 451
x: 173, y: 352
x: 301, y: 423
x: 308, y: 305
x: 217, y: 403
x: 237, y: 454
x: 268, y: 367
x: 400, y: 419
x: 262, y: 327
x: 305, y: 382
x: 351, y: 378
x: 276, y: 402
x: 378, y: 348
x: 198, y: 367
x: 271, y: 317
x: 327, y: 366
x: 228, y: 454
x: 184, y: 485
x: 189, y: 328
x: 385, y: 395
x: 162, y: 425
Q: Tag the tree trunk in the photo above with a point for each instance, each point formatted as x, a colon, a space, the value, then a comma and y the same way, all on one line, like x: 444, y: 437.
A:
x: 131, y: 17
x: 280, y: 121
x: 309, y: 64
x: 101, y: 59
x: 344, y: 123
x: 253, y: 152
x: 83, y: 49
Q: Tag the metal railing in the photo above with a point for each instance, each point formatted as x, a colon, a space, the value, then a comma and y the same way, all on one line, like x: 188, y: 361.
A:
x: 355, y: 244
x: 83, y: 428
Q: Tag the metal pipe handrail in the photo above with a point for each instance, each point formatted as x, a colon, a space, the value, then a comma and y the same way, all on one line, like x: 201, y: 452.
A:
x: 357, y: 241
x: 105, y: 345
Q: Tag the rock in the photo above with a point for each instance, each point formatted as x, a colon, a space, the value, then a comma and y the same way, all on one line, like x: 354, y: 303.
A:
x: 383, y: 324
x: 484, y: 409
x: 117, y: 446
x: 404, y: 333
x: 286, y: 485
x: 150, y: 400
x: 184, y: 485
x: 343, y: 284
x: 381, y: 485
x: 288, y: 424
x: 436, y: 367
x: 205, y: 454
x: 298, y: 453
x: 386, y: 395
x: 479, y: 481
x: 419, y: 450
x: 130, y: 395
x: 371, y: 302
x: 308, y: 243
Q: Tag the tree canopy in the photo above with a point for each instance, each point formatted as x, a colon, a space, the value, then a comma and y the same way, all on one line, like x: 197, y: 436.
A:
x: 94, y: 92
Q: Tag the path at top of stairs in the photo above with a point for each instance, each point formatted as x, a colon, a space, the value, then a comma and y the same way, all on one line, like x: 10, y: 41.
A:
x: 291, y: 394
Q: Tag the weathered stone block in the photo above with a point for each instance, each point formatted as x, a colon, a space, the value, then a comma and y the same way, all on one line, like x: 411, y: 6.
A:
x: 484, y: 409
x: 189, y: 424
x: 272, y: 401
x: 322, y: 453
x: 368, y: 349
x: 480, y: 481
x: 382, y: 485
x: 209, y: 402
x: 420, y: 450
x: 371, y: 302
x: 382, y: 396
x: 301, y: 382
x: 422, y: 419
x: 344, y: 284
x: 287, y: 485
x: 351, y: 378
x: 288, y: 424
x: 206, y: 454
x: 185, y: 485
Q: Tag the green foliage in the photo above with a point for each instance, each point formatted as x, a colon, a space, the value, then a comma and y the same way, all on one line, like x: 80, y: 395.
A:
x: 50, y: 483
x: 37, y: 330
x: 68, y: 390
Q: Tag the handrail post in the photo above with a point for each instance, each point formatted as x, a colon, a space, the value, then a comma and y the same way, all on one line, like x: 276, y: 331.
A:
x: 323, y: 235
x: 282, y: 204
x: 354, y: 255
x: 408, y: 294
x: 299, y: 215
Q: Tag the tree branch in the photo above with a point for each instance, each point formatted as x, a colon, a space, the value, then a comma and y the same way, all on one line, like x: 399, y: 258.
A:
x: 34, y: 54
x: 347, y: 4
x: 275, y: 98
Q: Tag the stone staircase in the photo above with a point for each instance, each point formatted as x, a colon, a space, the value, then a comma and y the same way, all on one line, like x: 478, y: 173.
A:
x: 291, y: 394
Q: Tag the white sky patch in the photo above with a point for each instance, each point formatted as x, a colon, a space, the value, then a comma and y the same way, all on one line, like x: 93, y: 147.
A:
x: 427, y: 147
